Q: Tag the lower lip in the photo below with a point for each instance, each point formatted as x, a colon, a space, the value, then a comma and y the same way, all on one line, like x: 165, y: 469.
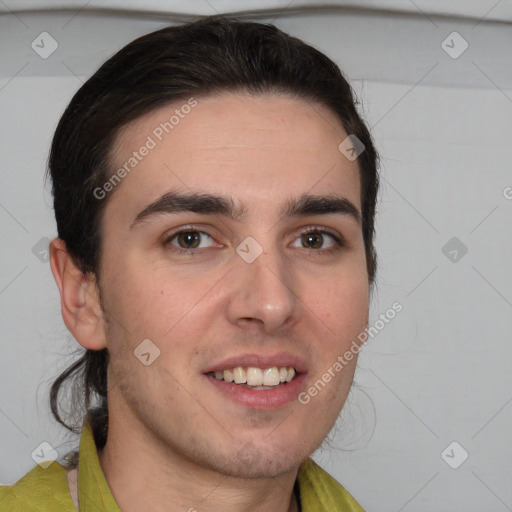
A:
x: 262, y: 398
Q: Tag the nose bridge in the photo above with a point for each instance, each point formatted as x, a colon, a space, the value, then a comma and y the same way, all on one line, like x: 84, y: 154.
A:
x: 262, y: 283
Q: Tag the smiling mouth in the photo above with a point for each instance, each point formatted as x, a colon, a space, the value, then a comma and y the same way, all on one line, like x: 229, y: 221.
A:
x: 256, y: 378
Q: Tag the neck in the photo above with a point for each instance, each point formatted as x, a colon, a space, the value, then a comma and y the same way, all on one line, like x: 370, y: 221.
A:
x: 144, y: 475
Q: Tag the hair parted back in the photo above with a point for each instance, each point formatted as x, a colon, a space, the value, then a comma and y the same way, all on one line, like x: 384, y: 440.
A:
x: 212, y: 55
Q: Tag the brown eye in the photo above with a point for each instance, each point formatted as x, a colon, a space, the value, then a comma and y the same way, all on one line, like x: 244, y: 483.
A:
x: 315, y: 238
x: 188, y: 240
x: 312, y: 240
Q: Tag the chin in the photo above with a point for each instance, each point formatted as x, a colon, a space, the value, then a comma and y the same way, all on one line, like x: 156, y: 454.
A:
x: 252, y: 462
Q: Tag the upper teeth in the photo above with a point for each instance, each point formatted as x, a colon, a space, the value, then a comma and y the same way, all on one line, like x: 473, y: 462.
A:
x: 257, y: 376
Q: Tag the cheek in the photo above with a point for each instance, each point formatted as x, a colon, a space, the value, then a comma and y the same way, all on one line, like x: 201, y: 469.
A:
x: 158, y: 305
x: 342, y: 304
x: 140, y: 290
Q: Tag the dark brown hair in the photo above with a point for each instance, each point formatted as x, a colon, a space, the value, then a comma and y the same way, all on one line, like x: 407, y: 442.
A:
x: 211, y: 55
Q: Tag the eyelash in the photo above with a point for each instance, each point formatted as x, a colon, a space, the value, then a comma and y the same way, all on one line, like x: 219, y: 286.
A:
x: 339, y: 241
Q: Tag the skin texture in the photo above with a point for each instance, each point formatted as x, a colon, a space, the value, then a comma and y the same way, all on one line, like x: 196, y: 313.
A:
x: 175, y: 442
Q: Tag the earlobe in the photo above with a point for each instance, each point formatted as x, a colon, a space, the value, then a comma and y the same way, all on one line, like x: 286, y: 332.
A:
x: 79, y: 294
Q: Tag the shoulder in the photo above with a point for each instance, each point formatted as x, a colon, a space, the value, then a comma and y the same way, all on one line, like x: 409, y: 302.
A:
x: 319, y: 491
x: 38, y: 490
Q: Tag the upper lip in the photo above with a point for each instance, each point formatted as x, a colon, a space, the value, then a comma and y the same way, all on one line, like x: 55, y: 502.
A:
x: 260, y: 361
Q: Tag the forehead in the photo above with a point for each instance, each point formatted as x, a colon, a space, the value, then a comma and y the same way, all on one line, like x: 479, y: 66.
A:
x: 258, y: 148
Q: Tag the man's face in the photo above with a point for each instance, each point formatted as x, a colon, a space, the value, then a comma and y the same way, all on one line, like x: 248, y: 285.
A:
x: 208, y: 306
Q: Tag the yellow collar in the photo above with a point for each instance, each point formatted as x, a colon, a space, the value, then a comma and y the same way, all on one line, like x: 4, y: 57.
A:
x: 319, y: 492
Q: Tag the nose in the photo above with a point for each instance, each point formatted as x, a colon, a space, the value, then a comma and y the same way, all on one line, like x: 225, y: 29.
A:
x: 261, y: 292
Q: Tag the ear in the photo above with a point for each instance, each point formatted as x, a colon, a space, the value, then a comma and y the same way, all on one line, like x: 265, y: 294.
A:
x: 79, y: 296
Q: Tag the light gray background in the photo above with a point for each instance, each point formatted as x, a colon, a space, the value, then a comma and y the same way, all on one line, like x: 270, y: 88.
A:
x: 437, y: 373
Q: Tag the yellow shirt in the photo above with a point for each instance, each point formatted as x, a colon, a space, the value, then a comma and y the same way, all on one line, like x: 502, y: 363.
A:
x: 47, y: 490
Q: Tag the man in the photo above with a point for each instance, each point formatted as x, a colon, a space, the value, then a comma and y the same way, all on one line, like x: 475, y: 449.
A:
x: 214, y: 191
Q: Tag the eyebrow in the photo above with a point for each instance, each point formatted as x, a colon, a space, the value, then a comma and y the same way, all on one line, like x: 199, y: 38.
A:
x: 174, y: 202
